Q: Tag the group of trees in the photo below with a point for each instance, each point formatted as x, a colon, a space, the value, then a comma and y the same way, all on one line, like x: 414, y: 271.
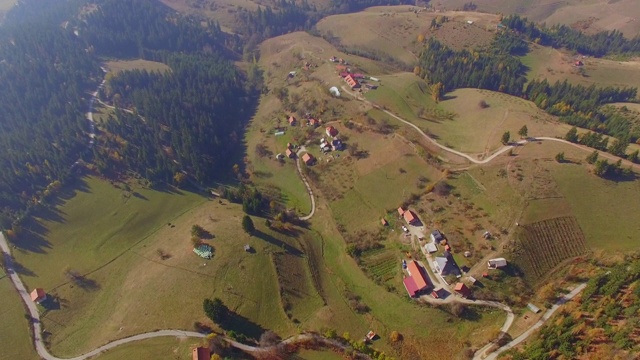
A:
x: 563, y: 36
x: 492, y: 70
x: 601, y: 326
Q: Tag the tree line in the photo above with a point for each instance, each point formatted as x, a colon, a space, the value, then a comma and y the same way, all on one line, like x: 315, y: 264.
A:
x: 563, y: 36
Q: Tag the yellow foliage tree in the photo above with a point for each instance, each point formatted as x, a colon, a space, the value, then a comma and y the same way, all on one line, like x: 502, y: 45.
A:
x: 437, y: 90
x: 420, y: 38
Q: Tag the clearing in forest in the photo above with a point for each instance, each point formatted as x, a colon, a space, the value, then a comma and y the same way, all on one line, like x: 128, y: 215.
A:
x: 116, y: 66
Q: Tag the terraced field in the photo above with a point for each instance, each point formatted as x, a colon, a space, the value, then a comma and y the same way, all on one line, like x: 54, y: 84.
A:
x: 545, y: 244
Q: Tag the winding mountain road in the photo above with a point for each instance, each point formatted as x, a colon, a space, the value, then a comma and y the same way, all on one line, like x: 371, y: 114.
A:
x: 306, y: 183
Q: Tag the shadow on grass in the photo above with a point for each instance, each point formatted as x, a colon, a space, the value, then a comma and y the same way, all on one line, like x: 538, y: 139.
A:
x: 279, y: 243
x: 31, y: 241
x: 140, y: 196
x: 20, y: 269
x: 167, y: 189
x: 241, y: 325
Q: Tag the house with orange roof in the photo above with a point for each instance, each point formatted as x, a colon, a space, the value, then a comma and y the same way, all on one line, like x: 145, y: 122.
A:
x: 308, y: 159
x: 353, y: 83
x: 400, y: 211
x: 314, y: 122
x: 38, y: 295
x: 410, y: 217
x: 292, y: 120
x: 201, y: 353
x: 417, y: 281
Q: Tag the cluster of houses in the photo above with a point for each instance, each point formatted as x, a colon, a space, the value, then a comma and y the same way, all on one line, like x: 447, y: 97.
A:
x: 331, y: 142
x: 354, y: 79
x: 310, y: 121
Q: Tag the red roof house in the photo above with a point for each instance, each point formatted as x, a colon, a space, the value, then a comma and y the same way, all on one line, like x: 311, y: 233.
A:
x: 409, y: 217
x: 331, y: 131
x: 353, y: 83
x: 416, y: 273
x: 292, y: 120
x: 400, y: 211
x: 313, y: 122
x: 384, y: 222
x: 38, y: 295
x: 308, y: 158
x: 201, y: 353
x: 411, y: 286
x: 462, y: 289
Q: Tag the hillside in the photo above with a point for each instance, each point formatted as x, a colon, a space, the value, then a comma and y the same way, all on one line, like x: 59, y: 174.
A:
x: 590, y: 16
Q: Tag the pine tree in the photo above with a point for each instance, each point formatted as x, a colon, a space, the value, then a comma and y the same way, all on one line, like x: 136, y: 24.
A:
x: 506, y: 138
x: 523, y: 132
x: 593, y: 157
x: 247, y: 225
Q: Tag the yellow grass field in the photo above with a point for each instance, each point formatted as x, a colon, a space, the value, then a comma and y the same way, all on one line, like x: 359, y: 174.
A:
x: 117, y: 66
x: 393, y: 30
x: 590, y: 16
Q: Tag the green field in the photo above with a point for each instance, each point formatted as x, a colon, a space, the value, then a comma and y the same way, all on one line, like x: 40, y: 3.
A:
x: 15, y: 334
x: 158, y: 348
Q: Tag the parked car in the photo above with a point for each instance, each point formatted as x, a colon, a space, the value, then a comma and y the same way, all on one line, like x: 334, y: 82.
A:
x: 404, y: 228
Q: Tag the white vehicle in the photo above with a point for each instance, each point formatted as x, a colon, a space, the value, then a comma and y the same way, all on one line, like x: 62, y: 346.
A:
x: 404, y: 228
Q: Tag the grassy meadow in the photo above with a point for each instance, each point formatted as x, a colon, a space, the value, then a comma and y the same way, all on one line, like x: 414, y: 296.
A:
x: 558, y: 65
x: 116, y: 66
x: 15, y: 334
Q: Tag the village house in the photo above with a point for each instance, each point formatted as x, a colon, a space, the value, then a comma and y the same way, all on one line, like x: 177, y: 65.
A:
x: 400, y: 211
x: 331, y: 131
x: 416, y: 282
x: 410, y: 217
x: 38, y: 295
x: 436, y: 236
x: 290, y: 154
x: 308, y: 159
x: 292, y: 120
x: 446, y: 265
x: 353, y: 83
x: 314, y: 122
x: 201, y: 353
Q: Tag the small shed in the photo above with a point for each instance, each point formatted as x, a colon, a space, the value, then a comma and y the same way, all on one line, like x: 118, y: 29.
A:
x: 497, y: 263
x: 533, y: 308
x: 384, y: 222
x: 447, y: 248
x: 436, y: 236
x: 462, y: 289
x: 400, y: 211
x: 38, y: 295
x: 431, y: 247
x: 308, y: 159
x: 247, y: 248
x: 331, y: 131
x: 292, y: 120
x: 290, y: 154
x: 201, y: 353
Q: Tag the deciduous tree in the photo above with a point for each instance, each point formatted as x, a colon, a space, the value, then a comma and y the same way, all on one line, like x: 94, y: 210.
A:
x: 506, y: 138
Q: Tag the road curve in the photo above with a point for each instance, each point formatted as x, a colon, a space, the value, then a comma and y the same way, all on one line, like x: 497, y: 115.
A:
x: 306, y: 183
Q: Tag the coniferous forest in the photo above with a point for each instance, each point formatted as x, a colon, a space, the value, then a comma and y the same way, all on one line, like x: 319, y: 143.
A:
x: 192, y: 116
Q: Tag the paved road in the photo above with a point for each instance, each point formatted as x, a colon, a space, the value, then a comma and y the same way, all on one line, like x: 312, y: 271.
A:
x: 533, y: 328
x: 306, y: 183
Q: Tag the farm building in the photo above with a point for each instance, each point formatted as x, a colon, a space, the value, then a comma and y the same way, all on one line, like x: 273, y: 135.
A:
x: 497, y: 263
x: 308, y: 159
x: 353, y: 83
x: 416, y: 281
x: 38, y: 295
x: 384, y: 222
x: 400, y: 211
x: 201, y: 353
x: 436, y: 236
x: 331, y: 131
x: 313, y: 122
x: 292, y: 120
x: 410, y: 217
x: 462, y: 289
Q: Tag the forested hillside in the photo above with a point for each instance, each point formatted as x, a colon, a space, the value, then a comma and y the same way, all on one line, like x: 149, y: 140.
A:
x: 45, y: 74
x: 51, y: 54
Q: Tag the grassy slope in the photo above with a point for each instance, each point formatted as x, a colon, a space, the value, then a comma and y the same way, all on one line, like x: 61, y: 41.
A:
x: 556, y: 65
x: 605, y: 14
x: 15, y: 337
x: 159, y: 348
x: 116, y: 66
